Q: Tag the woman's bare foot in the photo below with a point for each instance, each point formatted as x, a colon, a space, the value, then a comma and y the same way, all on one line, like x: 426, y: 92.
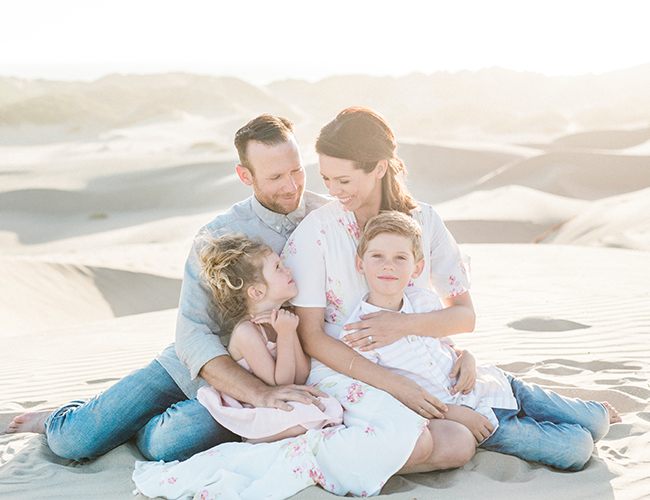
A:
x: 613, y: 414
x: 29, y: 422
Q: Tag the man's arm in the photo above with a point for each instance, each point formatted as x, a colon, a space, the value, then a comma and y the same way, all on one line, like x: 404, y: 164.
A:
x: 197, y: 339
x: 225, y: 375
x: 203, y: 353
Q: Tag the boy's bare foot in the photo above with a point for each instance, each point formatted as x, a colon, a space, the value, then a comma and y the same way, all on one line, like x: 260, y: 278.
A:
x: 613, y: 414
x: 29, y: 422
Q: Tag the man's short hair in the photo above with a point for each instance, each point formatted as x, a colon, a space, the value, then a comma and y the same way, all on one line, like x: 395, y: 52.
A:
x: 392, y: 222
x: 268, y: 129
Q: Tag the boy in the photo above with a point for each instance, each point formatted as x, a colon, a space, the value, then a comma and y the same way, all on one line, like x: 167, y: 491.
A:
x: 505, y: 414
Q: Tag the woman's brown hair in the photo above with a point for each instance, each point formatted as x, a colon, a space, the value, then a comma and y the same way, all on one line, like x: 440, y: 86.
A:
x: 363, y: 136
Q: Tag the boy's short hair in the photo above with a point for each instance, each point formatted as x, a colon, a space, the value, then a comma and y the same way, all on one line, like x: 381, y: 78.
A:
x: 392, y: 222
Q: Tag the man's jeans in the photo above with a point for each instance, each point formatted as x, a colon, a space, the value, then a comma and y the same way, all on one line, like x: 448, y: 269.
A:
x: 548, y: 428
x: 147, y: 405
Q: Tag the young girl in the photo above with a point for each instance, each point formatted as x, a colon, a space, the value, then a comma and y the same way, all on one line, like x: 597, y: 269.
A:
x: 249, y: 285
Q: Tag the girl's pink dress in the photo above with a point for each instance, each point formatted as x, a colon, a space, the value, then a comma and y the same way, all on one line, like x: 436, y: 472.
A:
x: 256, y: 423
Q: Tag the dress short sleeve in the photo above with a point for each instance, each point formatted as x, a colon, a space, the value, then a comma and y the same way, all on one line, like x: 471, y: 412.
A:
x: 449, y: 267
x: 304, y: 255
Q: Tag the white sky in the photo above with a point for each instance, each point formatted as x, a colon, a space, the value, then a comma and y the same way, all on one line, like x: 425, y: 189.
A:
x: 267, y: 40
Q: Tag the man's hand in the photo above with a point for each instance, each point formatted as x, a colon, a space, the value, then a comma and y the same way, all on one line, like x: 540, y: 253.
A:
x: 465, y: 369
x: 277, y: 396
x: 478, y: 425
x: 375, y: 330
x: 226, y: 376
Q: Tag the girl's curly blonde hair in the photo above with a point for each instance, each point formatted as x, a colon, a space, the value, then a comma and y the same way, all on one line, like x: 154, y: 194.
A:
x: 231, y: 263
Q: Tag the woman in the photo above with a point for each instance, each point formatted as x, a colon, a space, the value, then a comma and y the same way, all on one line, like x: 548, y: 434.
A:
x: 359, y: 166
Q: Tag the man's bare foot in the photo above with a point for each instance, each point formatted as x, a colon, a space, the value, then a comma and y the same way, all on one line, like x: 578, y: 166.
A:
x: 613, y: 414
x: 29, y: 422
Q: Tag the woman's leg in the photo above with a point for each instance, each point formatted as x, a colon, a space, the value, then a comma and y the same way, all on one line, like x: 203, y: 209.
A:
x: 443, y: 445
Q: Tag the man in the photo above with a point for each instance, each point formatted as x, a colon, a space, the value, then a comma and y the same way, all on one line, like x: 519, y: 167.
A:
x: 156, y: 404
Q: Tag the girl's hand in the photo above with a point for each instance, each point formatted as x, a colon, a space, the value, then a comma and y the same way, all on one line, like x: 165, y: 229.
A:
x: 375, y: 330
x: 282, y: 321
x: 418, y: 399
x: 465, y: 369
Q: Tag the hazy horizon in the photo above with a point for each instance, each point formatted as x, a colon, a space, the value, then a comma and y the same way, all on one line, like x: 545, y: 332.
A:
x: 260, y: 42
x: 86, y: 73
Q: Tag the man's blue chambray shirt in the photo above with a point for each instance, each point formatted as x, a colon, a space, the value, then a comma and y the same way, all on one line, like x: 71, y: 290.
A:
x: 197, y: 339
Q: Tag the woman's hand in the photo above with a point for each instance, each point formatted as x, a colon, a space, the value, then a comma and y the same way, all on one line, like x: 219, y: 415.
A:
x: 465, y: 369
x: 375, y: 330
x: 418, y: 399
x: 478, y: 425
x: 282, y: 321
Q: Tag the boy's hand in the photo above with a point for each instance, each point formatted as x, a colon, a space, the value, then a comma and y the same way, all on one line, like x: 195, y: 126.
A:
x: 376, y: 329
x: 478, y: 425
x: 465, y: 369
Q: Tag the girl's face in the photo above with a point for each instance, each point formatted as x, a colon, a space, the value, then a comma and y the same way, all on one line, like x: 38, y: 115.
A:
x: 279, y: 283
x: 355, y: 189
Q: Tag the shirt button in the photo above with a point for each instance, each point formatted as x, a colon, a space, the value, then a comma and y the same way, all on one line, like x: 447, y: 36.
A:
x: 412, y: 338
x: 449, y: 388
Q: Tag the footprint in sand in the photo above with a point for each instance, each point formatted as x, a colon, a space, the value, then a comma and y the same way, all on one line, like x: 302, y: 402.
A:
x: 534, y: 324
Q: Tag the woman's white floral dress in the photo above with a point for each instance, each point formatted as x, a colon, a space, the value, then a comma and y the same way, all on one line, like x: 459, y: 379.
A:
x: 379, y: 433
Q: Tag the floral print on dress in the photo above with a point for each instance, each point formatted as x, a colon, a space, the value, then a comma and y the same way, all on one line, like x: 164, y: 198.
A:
x: 205, y: 495
x: 300, y: 447
x: 291, y: 247
x: 351, y: 226
x: 458, y: 283
x: 334, y: 310
x: 356, y: 392
x: 297, y: 447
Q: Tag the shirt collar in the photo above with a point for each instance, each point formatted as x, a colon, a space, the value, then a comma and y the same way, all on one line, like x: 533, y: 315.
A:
x: 366, y: 308
x: 280, y: 222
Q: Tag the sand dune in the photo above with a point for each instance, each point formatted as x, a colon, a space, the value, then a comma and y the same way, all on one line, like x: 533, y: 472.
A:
x: 94, y: 232
x: 36, y: 295
x: 577, y: 174
x: 603, y: 139
x: 620, y: 221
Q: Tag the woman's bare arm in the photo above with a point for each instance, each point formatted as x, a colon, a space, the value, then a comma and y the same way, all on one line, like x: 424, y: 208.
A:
x: 345, y: 360
x: 386, y: 327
